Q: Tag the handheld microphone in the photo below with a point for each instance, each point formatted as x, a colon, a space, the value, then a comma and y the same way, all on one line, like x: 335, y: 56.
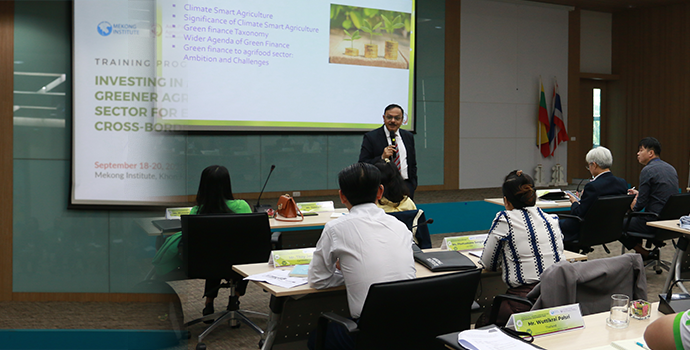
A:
x: 258, y: 208
x: 395, y: 145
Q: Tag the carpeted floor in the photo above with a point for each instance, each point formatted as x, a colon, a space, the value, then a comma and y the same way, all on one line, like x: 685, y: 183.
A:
x: 161, y: 316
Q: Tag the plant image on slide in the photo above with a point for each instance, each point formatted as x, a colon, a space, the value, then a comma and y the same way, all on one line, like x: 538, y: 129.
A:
x: 369, y: 37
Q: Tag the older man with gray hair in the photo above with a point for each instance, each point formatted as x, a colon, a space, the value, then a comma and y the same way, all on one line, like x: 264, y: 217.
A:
x: 603, y: 183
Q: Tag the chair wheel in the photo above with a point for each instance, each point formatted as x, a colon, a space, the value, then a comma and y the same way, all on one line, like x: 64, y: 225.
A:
x: 261, y: 343
x: 235, y: 326
x: 658, y: 272
x: 201, y: 346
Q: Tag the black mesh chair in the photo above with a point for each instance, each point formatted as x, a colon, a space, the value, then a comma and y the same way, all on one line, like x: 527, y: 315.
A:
x: 212, y: 244
x: 603, y: 223
x: 676, y: 206
x: 416, y: 221
x: 391, y: 320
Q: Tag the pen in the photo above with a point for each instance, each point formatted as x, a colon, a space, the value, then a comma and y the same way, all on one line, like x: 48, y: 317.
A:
x: 642, y: 345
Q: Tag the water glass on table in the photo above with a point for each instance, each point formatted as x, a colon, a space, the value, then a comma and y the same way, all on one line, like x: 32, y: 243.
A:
x: 620, y: 311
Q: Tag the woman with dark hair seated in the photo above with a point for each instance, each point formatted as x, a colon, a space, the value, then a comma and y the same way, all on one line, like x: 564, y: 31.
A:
x: 523, y: 241
x: 395, y: 191
x: 215, y: 197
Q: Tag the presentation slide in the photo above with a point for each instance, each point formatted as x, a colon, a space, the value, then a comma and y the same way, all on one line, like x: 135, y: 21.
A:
x: 145, y: 68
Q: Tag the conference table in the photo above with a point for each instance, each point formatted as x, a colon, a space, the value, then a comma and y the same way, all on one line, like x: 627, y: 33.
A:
x: 309, y: 221
x: 675, y: 268
x: 559, y: 204
x: 595, y: 333
x: 295, y: 311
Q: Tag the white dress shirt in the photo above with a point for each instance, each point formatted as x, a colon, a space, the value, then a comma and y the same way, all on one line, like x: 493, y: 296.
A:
x: 401, y: 150
x: 372, y: 246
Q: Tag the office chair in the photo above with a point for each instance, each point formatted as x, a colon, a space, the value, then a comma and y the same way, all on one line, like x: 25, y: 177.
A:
x: 602, y: 223
x: 676, y: 206
x: 212, y: 243
x: 416, y: 222
x: 589, y: 283
x: 391, y: 320
x: 295, y: 239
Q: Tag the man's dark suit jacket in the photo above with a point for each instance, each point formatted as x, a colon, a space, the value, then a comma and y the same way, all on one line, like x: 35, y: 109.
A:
x: 375, y: 141
x: 605, y: 185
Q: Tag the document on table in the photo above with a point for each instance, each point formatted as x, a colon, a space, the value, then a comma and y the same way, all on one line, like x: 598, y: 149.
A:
x: 280, y: 278
x: 490, y: 339
x: 477, y: 253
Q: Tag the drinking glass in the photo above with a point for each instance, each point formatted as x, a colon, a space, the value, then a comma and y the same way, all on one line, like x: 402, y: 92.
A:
x: 620, y: 311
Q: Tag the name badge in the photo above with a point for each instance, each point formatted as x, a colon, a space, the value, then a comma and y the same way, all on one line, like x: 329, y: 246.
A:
x: 289, y: 257
x: 471, y: 242
x: 547, y: 321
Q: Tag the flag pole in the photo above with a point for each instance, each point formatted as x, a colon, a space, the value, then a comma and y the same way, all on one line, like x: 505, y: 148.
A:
x: 539, y: 126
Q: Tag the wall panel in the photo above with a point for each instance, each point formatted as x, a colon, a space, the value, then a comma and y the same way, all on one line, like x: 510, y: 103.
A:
x: 651, y: 55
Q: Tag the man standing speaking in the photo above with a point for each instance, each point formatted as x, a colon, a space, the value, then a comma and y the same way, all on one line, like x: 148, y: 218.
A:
x: 392, y: 143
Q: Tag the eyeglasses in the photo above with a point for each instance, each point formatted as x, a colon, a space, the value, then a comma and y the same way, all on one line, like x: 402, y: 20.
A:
x: 390, y: 117
x: 588, y: 164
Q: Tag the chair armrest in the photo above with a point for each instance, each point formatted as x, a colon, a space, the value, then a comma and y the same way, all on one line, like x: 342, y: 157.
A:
x: 275, y: 240
x: 327, y: 317
x: 499, y: 299
x: 637, y: 214
x: 349, y: 324
x: 570, y: 216
x: 642, y: 213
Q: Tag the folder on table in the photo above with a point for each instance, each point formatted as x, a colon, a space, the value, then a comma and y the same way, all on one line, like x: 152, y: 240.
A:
x: 444, y: 261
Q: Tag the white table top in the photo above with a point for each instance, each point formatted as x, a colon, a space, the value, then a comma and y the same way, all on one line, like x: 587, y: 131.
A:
x: 253, y: 269
x: 541, y: 204
x: 319, y: 220
x: 596, y: 333
x: 671, y: 225
x: 309, y: 221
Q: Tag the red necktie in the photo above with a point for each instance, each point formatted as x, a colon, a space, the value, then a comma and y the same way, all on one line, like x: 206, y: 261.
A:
x: 397, y: 153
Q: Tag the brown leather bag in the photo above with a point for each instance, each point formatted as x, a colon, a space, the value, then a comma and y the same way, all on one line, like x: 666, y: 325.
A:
x: 287, y: 208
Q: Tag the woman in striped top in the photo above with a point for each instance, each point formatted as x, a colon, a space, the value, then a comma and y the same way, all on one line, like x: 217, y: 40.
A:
x: 523, y: 241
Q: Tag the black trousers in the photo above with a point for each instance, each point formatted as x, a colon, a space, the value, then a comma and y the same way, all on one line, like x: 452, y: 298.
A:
x: 211, y: 290
x: 637, y: 224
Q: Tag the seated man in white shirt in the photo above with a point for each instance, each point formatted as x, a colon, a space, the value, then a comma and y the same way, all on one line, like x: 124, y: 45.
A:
x: 366, y: 246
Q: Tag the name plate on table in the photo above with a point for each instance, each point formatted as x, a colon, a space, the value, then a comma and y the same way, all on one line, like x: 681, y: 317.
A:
x: 289, y: 257
x: 316, y: 207
x: 547, y: 321
x: 459, y: 243
x: 175, y: 213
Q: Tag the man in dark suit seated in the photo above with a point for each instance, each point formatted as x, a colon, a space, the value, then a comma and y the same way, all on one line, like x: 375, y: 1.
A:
x: 392, y: 143
x: 599, y: 162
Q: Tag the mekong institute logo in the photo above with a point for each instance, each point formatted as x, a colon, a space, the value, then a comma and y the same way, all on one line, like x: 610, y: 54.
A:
x: 104, y: 28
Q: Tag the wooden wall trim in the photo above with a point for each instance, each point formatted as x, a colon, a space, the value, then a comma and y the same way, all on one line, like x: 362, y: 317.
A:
x: 574, y: 155
x: 97, y: 297
x: 451, y: 98
x: 6, y: 139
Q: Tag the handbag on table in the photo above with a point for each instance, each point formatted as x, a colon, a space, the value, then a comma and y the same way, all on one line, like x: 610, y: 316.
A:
x: 287, y: 208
